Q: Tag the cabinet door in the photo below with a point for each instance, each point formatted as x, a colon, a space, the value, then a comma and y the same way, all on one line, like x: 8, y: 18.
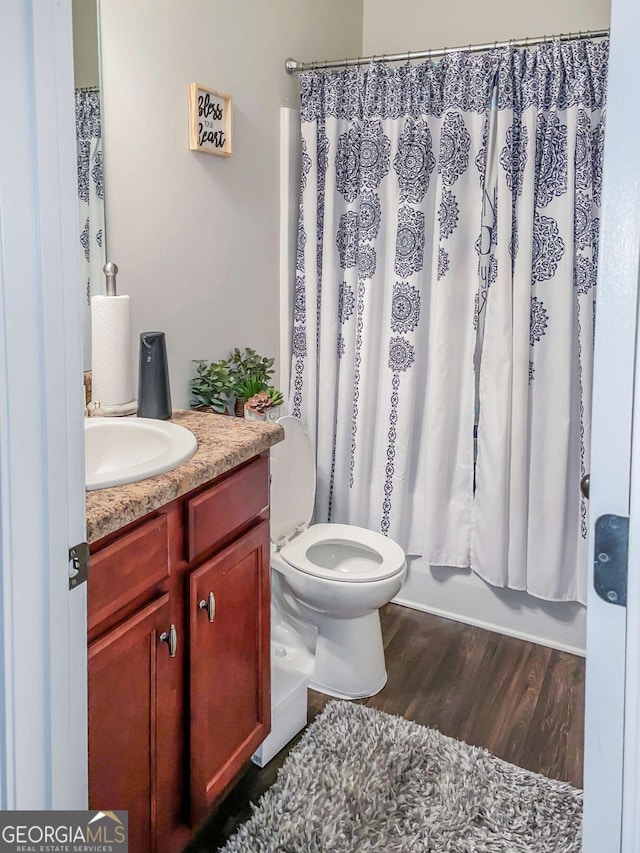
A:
x: 229, y: 604
x: 130, y: 675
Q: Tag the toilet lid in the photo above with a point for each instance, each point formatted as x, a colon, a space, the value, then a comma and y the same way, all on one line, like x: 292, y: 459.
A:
x: 293, y: 481
x: 345, y: 553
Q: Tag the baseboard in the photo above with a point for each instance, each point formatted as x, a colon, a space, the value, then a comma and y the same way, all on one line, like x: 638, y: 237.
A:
x: 489, y: 626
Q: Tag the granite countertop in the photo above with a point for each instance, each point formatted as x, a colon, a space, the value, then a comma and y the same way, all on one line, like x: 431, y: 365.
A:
x: 223, y: 443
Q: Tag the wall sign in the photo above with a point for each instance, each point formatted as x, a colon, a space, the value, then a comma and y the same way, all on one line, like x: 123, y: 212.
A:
x: 209, y: 121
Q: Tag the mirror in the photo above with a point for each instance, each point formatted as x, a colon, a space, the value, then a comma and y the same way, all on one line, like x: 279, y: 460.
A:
x: 88, y: 108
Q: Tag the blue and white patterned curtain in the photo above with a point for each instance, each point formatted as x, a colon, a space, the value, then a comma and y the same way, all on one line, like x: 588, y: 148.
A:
x: 446, y: 263
x: 91, y: 202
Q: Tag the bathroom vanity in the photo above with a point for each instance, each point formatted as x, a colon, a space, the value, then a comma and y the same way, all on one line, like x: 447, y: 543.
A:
x: 178, y: 622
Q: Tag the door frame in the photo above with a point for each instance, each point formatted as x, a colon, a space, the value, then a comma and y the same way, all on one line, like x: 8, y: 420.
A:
x: 43, y: 701
x: 611, y: 707
x: 631, y: 739
x: 43, y: 626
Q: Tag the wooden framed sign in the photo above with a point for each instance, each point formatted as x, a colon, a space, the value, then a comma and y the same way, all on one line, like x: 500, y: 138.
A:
x: 209, y: 121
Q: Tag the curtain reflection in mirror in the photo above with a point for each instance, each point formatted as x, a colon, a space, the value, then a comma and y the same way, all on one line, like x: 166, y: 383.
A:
x: 90, y: 200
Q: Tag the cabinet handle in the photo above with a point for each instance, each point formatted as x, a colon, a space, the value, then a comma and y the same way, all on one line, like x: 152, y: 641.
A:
x: 209, y: 605
x: 171, y: 638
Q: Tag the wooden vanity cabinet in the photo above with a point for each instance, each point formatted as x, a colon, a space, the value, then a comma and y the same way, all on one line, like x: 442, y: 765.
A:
x: 179, y: 673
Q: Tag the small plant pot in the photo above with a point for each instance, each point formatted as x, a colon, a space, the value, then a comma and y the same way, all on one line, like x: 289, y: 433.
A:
x: 269, y: 415
x: 252, y: 415
x: 239, y: 408
x: 273, y: 413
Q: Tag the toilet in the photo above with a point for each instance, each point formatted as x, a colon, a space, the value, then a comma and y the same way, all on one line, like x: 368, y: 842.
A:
x: 328, y: 581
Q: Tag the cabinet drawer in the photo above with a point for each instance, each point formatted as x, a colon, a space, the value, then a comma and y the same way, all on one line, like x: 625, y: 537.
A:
x: 126, y: 568
x: 215, y: 513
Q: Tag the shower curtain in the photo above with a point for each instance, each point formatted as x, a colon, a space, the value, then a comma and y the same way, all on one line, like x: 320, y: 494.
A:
x: 90, y: 201
x: 445, y: 287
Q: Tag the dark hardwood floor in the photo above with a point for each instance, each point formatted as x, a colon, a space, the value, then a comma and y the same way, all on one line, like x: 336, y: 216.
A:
x: 525, y: 703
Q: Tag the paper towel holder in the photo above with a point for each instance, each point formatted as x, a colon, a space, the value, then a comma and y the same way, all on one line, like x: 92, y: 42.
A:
x: 110, y: 271
x: 118, y: 410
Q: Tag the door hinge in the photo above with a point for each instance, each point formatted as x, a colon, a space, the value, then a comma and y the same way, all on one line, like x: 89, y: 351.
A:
x: 611, y: 558
x: 78, y: 564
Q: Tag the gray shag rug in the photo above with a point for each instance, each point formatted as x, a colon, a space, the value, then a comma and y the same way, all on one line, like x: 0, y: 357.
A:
x: 361, y: 780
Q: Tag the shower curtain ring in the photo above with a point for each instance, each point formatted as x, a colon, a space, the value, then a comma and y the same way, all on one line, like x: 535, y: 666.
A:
x: 408, y: 56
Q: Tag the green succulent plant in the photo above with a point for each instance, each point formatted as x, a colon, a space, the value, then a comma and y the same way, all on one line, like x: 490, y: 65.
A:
x: 276, y: 396
x: 248, y: 386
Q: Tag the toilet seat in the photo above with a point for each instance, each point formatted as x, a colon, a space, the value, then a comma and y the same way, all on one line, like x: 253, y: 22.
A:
x: 336, y: 552
x: 343, y: 553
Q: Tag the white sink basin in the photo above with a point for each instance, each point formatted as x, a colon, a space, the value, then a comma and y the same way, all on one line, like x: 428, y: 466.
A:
x: 126, y: 450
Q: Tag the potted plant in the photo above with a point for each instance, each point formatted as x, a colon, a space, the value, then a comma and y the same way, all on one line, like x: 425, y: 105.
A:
x: 228, y: 385
x: 246, y: 387
x: 213, y: 387
x: 252, y: 376
x: 259, y: 405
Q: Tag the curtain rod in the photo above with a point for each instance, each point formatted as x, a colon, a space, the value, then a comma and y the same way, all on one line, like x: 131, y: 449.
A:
x: 292, y: 65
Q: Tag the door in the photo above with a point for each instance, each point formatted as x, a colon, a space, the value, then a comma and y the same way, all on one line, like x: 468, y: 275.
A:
x: 43, y: 659
x: 609, y: 625
x: 131, y: 673
x: 229, y: 609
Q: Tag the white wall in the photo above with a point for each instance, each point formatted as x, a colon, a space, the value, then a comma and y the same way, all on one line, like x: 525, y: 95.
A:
x: 418, y: 25
x: 196, y: 237
x: 462, y: 595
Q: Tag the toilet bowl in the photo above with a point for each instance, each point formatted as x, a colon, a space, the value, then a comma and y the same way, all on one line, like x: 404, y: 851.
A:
x: 328, y: 581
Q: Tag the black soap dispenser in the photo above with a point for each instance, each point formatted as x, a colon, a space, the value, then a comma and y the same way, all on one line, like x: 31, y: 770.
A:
x: 154, y: 395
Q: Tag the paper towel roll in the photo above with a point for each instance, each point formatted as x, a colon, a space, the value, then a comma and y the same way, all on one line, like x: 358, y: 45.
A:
x: 111, y: 364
